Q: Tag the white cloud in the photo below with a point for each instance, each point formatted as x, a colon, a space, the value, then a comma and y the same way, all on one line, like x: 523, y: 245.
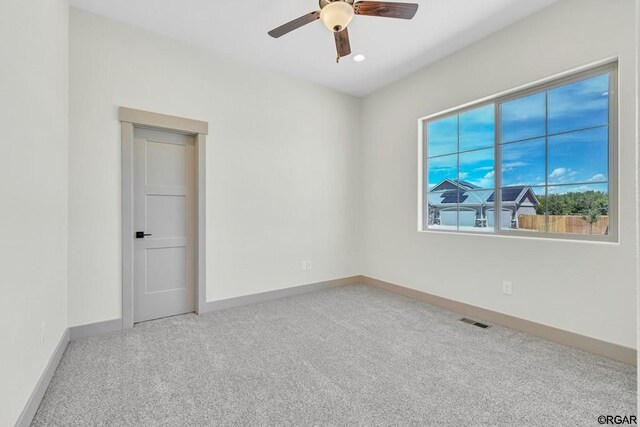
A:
x: 597, y: 177
x: 508, y: 167
x: 486, y: 181
x: 515, y: 165
x: 463, y: 175
x: 558, y: 173
x: 562, y: 173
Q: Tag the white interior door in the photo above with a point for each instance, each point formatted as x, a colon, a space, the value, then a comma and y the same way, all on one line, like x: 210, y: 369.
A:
x: 164, y: 221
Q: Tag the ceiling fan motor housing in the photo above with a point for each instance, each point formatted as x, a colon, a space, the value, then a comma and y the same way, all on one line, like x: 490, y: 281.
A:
x: 336, y: 15
x: 323, y: 3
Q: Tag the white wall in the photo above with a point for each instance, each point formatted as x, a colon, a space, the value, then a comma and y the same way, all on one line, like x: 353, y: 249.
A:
x: 286, y: 167
x: 638, y: 175
x: 282, y: 164
x: 33, y: 190
x: 588, y: 288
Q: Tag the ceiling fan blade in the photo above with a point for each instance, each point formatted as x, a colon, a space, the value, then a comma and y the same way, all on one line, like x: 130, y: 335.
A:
x: 342, y: 44
x: 386, y: 9
x: 296, y: 23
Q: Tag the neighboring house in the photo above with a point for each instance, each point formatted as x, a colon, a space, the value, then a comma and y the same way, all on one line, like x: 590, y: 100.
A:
x: 451, y: 201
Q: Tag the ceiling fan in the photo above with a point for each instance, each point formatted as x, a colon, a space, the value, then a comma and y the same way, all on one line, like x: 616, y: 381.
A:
x: 337, y: 14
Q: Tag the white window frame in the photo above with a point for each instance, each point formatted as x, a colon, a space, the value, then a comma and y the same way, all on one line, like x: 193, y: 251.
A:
x: 610, y: 66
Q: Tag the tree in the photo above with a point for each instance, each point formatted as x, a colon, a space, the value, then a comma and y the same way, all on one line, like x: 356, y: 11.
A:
x: 594, y: 205
x: 589, y: 205
x: 592, y: 216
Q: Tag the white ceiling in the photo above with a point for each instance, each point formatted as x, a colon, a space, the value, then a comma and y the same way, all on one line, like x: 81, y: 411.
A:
x: 393, y: 47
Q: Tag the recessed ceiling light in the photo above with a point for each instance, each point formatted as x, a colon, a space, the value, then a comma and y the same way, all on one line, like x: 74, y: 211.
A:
x: 359, y: 58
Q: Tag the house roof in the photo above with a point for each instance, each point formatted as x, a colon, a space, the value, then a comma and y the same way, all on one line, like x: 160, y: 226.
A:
x: 450, y: 192
x: 512, y: 194
x: 450, y: 184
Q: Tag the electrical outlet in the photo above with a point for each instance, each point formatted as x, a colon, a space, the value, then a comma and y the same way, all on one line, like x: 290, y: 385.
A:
x: 42, y: 332
x: 507, y: 287
x: 303, y: 266
x: 308, y: 265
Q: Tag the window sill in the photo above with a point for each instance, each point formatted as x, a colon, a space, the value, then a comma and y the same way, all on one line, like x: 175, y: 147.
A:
x: 598, y: 240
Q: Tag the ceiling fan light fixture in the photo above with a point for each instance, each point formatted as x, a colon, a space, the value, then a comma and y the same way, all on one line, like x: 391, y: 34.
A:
x: 337, y: 15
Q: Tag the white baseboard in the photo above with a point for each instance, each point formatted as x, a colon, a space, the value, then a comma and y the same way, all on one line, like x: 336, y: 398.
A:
x: 280, y: 293
x: 592, y: 345
x: 94, y: 329
x: 30, y: 409
x: 571, y: 339
x: 114, y: 325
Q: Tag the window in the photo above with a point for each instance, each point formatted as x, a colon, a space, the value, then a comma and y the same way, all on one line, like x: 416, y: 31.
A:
x: 538, y: 162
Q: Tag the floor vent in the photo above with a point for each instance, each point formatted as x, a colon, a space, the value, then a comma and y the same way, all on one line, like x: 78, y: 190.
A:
x: 474, y: 323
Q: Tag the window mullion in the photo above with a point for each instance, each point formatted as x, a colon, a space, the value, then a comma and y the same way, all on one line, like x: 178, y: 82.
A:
x: 497, y: 169
x: 458, y: 156
x: 546, y: 162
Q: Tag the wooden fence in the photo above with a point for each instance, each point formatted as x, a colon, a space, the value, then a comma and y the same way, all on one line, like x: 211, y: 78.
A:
x: 563, y: 224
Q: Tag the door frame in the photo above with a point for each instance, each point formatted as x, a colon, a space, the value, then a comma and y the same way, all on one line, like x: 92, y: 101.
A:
x: 129, y: 119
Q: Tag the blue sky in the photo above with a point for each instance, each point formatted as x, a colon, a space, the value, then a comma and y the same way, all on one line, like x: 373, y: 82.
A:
x: 577, y: 143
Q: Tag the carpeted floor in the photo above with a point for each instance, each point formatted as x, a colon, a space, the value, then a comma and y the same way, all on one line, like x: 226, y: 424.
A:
x: 346, y: 356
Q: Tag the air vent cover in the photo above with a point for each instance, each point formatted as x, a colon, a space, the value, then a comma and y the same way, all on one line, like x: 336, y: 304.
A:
x: 474, y: 323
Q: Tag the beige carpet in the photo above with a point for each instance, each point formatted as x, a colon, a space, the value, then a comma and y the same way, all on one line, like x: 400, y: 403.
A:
x: 346, y: 356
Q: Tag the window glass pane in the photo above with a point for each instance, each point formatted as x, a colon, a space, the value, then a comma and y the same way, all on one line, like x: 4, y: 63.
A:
x: 472, y: 210
x: 442, y: 136
x: 477, y: 128
x: 519, y: 201
x: 467, y: 219
x: 523, y: 118
x: 579, y: 157
x: 440, y: 169
x: 579, y: 105
x: 529, y: 209
x: 523, y: 163
x: 443, y: 209
x: 476, y: 169
x: 578, y: 209
x: 447, y: 219
x: 554, y: 163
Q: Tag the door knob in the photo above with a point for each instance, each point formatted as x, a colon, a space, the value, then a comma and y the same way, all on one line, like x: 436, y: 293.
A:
x: 141, y: 234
